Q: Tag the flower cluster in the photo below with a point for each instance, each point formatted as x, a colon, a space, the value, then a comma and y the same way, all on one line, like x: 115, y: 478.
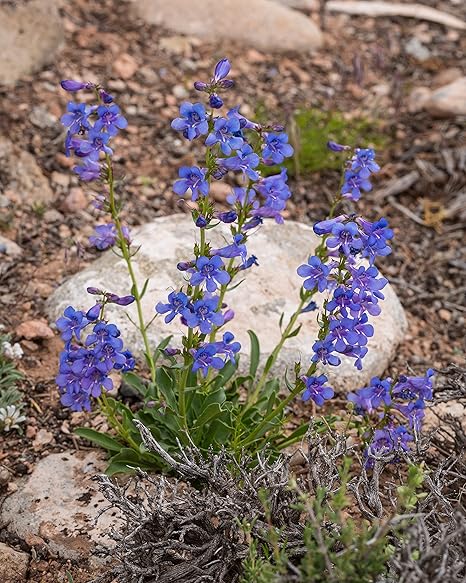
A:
x: 90, y: 129
x: 234, y: 144
x: 357, y: 175
x: 86, y: 363
x: 398, y: 408
x: 354, y: 290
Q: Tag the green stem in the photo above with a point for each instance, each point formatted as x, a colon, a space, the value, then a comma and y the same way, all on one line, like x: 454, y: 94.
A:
x: 278, y: 409
x: 124, y: 246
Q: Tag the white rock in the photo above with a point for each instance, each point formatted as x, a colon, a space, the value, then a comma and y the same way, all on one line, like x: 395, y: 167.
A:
x: 258, y: 302
x: 22, y: 175
x: 59, y: 503
x: 8, y: 247
x: 30, y: 35
x: 304, y: 5
x: 263, y: 24
x: 449, y: 100
x: 13, y: 565
x: 416, y: 49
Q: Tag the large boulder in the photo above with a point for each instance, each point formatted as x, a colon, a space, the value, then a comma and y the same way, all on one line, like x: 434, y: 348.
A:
x: 263, y: 24
x: 258, y: 302
x: 31, y: 33
x: 58, y: 506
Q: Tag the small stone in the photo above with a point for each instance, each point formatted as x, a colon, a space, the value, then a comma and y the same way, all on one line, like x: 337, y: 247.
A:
x: 22, y: 175
x: 31, y: 431
x: 62, y: 511
x: 449, y: 100
x: 125, y: 66
x: 416, y: 49
x: 34, y: 329
x: 177, y: 45
x: 444, y: 314
x: 53, y: 216
x: 13, y: 565
x: 447, y: 76
x: 220, y: 190
x: 42, y: 438
x: 9, y: 248
x: 41, y: 118
x: 61, y: 179
x: 179, y: 91
x: 75, y: 201
x: 418, y: 98
x: 287, y: 29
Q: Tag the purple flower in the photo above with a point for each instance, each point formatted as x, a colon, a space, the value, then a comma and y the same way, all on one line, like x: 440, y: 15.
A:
x: 244, y: 122
x: 70, y: 85
x: 215, y: 101
x: 353, y: 184
x: 211, y: 271
x: 365, y: 279
x: 276, y: 148
x: 106, y: 236
x: 325, y: 227
x: 336, y: 147
x: 192, y: 122
x: 275, y: 190
x: 245, y: 161
x: 201, y: 222
x: 222, y: 68
x: 94, y: 146
x: 205, y: 358
x: 316, y: 274
x: 110, y: 119
x: 88, y: 171
x: 227, y: 347
x: 203, y: 314
x: 236, y: 249
x: 77, y: 117
x: 342, y: 334
x: 414, y: 387
x: 226, y: 133
x: 227, y: 216
x: 375, y: 237
x: 342, y: 300
x: 373, y: 396
x: 194, y: 179
x: 345, y: 236
x: 324, y: 352
x: 72, y: 322
x: 242, y: 196
x: 177, y: 302
x: 316, y: 389
x: 104, y: 333
x: 356, y: 352
x: 388, y: 440
x: 364, y: 162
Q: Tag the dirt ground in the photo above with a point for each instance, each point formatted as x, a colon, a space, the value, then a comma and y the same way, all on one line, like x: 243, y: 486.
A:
x: 364, y: 70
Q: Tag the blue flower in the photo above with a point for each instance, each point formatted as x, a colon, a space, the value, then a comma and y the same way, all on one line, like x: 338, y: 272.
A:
x: 194, y: 179
x: 242, y: 196
x: 236, y: 249
x: 106, y: 236
x: 244, y: 122
x: 227, y: 347
x: 364, y: 162
x: 72, y: 322
x: 415, y: 387
x: 373, y: 396
x: 342, y: 334
x: 245, y: 161
x: 215, y: 101
x: 203, y: 314
x: 353, y: 184
x: 316, y: 389
x: 211, y: 271
x: 325, y: 227
x: 226, y: 133
x: 387, y: 441
x: 275, y: 190
x: 70, y: 85
x: 177, y: 302
x: 77, y: 117
x: 110, y: 119
x: 192, y: 122
x: 375, y: 237
x: 222, y: 68
x: 88, y: 171
x: 227, y: 216
x: 276, y: 148
x: 324, y: 352
x: 95, y: 145
x: 345, y: 236
x: 336, y: 147
x: 316, y: 274
x: 205, y: 358
x: 365, y: 279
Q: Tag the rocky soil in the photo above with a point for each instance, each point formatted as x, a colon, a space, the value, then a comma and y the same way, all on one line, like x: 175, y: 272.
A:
x: 398, y: 72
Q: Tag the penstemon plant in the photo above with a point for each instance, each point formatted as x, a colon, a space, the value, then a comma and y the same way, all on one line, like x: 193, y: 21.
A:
x: 195, y: 392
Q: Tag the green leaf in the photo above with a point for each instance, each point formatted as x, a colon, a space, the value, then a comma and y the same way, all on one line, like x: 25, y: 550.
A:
x: 166, y: 385
x: 144, y: 289
x: 255, y: 353
x: 295, y: 332
x: 134, y: 381
x: 127, y: 459
x: 295, y: 436
x: 99, y: 438
x: 210, y: 412
x: 158, y: 351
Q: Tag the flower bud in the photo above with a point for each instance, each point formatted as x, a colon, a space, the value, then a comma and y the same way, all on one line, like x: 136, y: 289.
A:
x: 94, y: 312
x: 215, y: 101
x: 70, y: 85
x: 201, y: 222
x: 227, y: 217
x: 95, y: 291
x: 336, y: 147
x: 222, y: 68
x: 200, y: 86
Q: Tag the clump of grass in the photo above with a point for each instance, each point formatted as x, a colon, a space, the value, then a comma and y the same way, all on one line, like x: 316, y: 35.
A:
x: 310, y: 130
